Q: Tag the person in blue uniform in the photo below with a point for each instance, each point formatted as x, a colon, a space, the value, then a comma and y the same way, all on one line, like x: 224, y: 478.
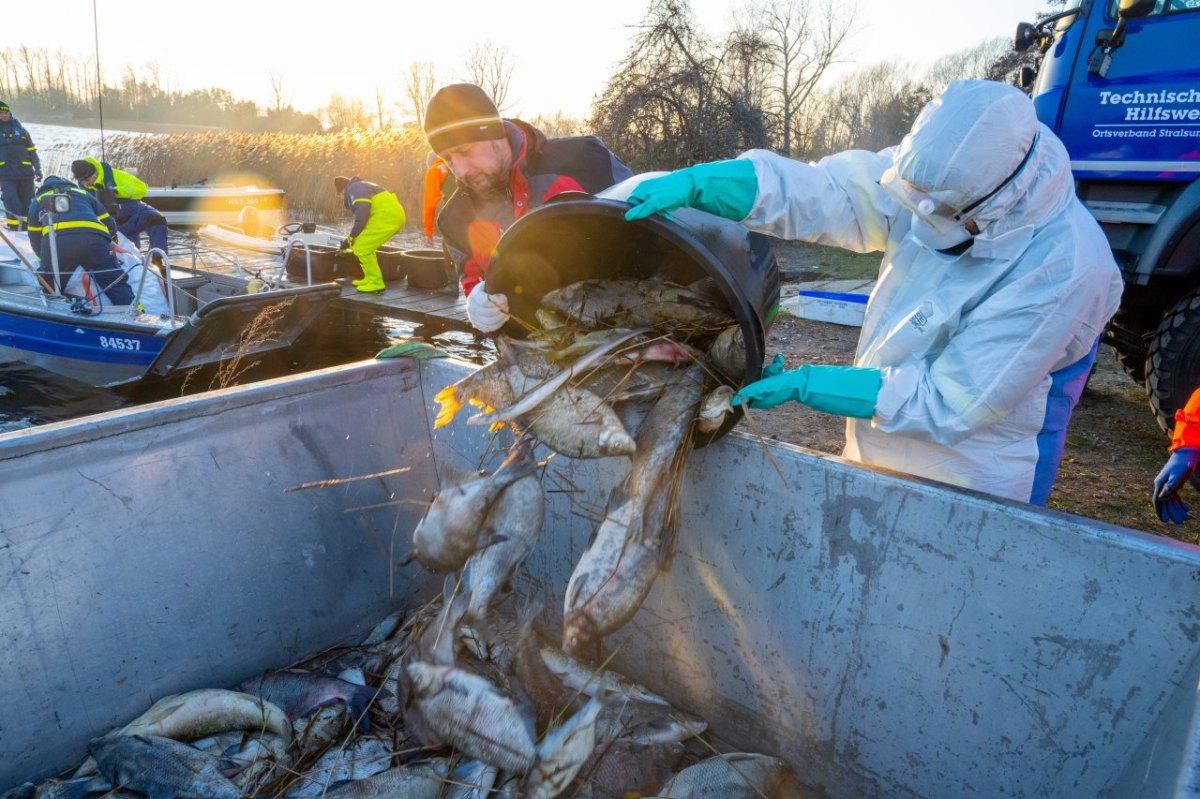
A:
x: 19, y: 168
x: 133, y: 217
x: 84, y: 236
x: 378, y: 216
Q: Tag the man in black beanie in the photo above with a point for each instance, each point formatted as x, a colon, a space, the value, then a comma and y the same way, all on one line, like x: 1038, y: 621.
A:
x: 504, y: 168
x: 19, y: 168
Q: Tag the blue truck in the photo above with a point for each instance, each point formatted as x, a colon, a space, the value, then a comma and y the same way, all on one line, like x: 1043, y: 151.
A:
x: 1119, y: 82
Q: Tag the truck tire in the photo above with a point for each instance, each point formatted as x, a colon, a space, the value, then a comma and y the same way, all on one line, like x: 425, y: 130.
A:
x: 1173, y: 363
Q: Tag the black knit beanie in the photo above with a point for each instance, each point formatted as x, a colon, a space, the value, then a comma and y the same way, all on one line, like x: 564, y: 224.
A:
x: 459, y: 114
x: 3, y: 106
x: 82, y: 169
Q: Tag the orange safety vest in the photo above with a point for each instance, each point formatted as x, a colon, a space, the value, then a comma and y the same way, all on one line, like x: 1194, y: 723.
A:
x: 435, y: 176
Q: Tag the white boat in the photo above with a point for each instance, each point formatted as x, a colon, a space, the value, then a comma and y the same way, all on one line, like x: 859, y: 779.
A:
x: 235, y: 235
x: 186, y: 320
x: 203, y: 204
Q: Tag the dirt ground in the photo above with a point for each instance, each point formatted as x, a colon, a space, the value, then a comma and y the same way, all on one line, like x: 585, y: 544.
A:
x: 1114, y: 447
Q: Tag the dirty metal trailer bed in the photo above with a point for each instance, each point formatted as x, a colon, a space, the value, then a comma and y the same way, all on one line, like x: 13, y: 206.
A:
x: 890, y: 637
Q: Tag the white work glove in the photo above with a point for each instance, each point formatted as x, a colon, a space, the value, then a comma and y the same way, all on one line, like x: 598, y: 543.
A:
x: 487, y: 312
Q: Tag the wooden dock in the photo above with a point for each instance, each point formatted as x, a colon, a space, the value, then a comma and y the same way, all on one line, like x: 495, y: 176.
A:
x: 433, y: 311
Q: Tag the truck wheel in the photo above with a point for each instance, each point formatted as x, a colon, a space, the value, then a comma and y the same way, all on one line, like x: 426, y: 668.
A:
x: 1173, y: 363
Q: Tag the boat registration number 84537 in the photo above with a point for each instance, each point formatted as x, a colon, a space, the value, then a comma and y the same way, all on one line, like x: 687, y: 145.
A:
x: 117, y: 343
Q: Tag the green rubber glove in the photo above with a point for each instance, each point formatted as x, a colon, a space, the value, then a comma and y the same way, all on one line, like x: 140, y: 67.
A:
x: 840, y: 390
x: 724, y: 188
x: 775, y: 367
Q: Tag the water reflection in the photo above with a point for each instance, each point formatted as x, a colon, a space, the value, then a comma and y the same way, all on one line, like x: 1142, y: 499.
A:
x: 30, y: 396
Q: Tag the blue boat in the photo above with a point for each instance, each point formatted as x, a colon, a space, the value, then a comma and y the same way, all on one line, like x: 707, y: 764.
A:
x: 186, y: 320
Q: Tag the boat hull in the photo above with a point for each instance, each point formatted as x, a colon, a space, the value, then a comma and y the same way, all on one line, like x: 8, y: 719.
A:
x: 82, y: 349
x: 889, y: 636
x: 193, y: 206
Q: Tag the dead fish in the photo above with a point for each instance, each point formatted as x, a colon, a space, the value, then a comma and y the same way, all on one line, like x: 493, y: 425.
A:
x: 634, y: 303
x: 541, y: 392
x: 596, y: 682
x: 82, y: 788
x: 616, y: 571
x: 610, y: 580
x: 300, y: 693
x: 715, y: 409
x: 517, y: 369
x: 727, y: 353
x: 737, y: 775
x: 450, y: 529
x: 644, y: 723
x: 514, y: 524
x: 562, y: 753
x: 197, y: 714
x: 578, y: 424
x: 438, y: 641
x: 161, y: 768
x: 389, y: 626
x: 359, y: 759
x: 586, y: 342
x: 472, y: 779
x: 622, y: 768
x: 246, y: 758
x: 415, y: 781
x: 470, y: 713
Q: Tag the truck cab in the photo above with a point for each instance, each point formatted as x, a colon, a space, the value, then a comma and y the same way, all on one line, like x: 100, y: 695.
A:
x: 1119, y: 82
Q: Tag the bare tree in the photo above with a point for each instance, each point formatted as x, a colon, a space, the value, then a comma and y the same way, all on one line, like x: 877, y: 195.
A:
x: 420, y: 82
x: 279, y: 97
x: 668, y: 104
x: 490, y: 66
x: 383, y: 117
x: 343, y: 114
x: 558, y: 125
x: 803, y: 37
x: 870, y: 109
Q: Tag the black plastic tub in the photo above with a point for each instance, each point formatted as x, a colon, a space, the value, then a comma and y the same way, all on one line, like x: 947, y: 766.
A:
x: 587, y: 238
x: 392, y: 263
x: 327, y: 263
x: 426, y: 269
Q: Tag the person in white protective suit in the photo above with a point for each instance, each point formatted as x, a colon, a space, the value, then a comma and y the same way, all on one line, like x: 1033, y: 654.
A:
x: 995, y: 285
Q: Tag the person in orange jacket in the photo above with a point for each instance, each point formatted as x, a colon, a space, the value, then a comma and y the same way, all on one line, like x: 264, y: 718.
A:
x: 436, y: 174
x: 1185, y: 454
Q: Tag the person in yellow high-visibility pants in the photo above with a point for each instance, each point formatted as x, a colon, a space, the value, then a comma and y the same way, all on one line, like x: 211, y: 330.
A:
x: 378, y: 216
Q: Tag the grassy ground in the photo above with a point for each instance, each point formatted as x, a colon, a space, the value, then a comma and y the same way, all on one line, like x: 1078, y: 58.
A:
x: 1114, y: 446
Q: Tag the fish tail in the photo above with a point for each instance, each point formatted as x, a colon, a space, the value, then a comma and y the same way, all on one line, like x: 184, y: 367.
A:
x: 450, y: 403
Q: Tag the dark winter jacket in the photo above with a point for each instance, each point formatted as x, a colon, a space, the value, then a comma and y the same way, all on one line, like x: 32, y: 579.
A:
x: 18, y: 155
x: 542, y: 168
x: 86, y: 217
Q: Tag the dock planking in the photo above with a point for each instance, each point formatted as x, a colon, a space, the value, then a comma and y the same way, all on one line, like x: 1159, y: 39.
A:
x: 441, y: 309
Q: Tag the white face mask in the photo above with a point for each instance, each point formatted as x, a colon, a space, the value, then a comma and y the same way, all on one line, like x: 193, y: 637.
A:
x: 931, y: 238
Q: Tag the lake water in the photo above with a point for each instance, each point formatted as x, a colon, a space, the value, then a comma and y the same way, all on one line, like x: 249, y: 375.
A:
x: 31, y: 396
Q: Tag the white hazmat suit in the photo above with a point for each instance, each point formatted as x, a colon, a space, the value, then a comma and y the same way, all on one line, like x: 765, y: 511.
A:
x: 983, y: 354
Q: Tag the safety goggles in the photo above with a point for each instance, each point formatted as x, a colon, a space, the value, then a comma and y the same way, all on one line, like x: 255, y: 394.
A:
x: 939, y: 215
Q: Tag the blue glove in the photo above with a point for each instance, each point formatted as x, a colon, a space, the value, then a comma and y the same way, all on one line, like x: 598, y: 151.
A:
x: 840, y: 390
x: 1174, y: 474
x: 724, y: 188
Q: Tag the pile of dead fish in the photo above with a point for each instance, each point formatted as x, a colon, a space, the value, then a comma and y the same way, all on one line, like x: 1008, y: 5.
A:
x: 514, y: 717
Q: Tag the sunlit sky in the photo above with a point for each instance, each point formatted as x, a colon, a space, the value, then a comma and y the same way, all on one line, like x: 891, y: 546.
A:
x: 563, y: 51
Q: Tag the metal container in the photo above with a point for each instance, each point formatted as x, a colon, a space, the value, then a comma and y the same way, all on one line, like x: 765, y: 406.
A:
x: 584, y: 238
x: 891, y: 637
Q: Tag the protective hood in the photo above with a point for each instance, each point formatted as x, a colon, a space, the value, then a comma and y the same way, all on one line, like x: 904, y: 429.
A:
x: 979, y: 136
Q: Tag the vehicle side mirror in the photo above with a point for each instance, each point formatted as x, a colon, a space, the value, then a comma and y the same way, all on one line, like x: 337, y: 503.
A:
x: 1025, y: 38
x: 1134, y: 9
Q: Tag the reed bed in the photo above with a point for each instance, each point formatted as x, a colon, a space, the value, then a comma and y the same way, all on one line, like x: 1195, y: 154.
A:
x: 304, y: 165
